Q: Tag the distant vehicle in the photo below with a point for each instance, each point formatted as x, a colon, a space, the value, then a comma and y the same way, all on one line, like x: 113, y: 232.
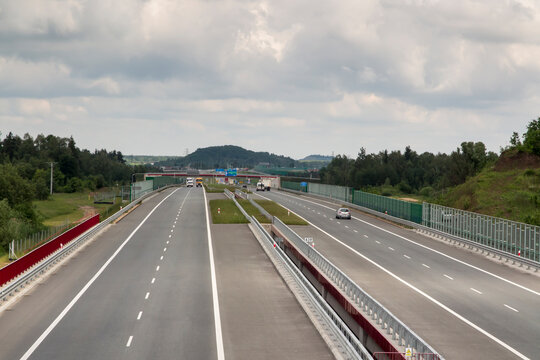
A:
x: 244, y: 186
x: 343, y: 213
x: 199, y: 182
x: 264, y: 184
x: 189, y: 182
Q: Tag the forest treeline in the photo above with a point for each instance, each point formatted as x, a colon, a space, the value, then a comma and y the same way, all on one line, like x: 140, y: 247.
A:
x: 423, y: 173
x: 25, y: 172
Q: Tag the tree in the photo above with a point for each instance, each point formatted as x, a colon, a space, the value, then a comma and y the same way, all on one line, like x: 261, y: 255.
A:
x: 531, y: 140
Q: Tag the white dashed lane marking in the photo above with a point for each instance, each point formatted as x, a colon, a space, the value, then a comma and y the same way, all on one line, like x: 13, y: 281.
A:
x: 147, y: 296
x: 511, y: 308
x: 448, y: 277
x: 153, y: 280
x: 406, y: 256
x: 129, y: 341
x: 476, y: 291
x: 157, y: 268
x: 139, y: 316
x: 391, y: 248
x: 424, y: 265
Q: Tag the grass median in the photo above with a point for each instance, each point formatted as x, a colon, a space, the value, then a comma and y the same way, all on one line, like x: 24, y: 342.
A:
x: 281, y: 213
x: 253, y: 211
x: 228, y: 212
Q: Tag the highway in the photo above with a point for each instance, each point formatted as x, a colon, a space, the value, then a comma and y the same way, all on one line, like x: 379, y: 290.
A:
x: 464, y: 305
x: 151, y: 287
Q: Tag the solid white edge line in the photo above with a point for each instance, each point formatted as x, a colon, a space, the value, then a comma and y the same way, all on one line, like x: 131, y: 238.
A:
x: 59, y: 318
x: 433, y: 250
x: 430, y: 298
x: 129, y: 341
x: 215, y: 299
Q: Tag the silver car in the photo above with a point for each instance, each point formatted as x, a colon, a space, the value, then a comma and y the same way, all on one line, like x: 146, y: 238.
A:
x: 343, y: 213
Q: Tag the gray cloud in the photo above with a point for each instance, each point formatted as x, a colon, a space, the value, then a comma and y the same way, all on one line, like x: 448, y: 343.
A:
x: 298, y: 77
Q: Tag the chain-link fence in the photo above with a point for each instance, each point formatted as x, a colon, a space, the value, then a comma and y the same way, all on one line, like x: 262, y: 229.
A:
x: 18, y: 248
x: 506, y: 235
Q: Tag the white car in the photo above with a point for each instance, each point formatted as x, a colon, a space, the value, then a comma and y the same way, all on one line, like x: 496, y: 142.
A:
x: 343, y: 213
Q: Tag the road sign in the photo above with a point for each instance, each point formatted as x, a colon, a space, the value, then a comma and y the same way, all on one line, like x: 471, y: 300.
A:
x: 408, y: 353
x: 303, y: 184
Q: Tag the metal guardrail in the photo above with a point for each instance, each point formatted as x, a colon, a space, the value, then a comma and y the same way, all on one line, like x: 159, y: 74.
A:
x: 261, y: 209
x: 228, y: 193
x: 380, y: 315
x: 424, y: 229
x: 40, y: 268
x: 241, y: 194
x: 349, y: 341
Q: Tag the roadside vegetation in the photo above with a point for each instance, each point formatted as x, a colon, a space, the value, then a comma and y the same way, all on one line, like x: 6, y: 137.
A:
x: 218, y: 188
x: 25, y: 165
x: 228, y: 212
x: 253, y: 211
x: 470, y: 178
x: 281, y: 213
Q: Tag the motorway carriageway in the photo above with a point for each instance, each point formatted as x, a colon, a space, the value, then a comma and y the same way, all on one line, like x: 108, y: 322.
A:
x: 463, y: 304
x: 158, y: 286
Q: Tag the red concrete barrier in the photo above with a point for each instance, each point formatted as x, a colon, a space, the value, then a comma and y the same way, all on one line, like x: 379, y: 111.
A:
x: 19, y: 266
x: 373, y: 332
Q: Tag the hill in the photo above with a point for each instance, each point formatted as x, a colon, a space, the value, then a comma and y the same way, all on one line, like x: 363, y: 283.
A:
x: 325, y: 158
x: 509, y: 189
x: 228, y: 156
x: 146, y: 159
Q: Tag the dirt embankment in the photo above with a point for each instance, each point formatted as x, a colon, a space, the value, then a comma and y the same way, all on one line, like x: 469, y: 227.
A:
x: 517, y: 160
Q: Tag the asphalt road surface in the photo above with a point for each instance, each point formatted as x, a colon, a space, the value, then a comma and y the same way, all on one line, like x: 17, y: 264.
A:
x: 145, y: 289
x: 464, y: 305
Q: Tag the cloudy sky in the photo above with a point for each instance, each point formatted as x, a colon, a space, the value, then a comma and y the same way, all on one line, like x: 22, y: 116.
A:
x: 295, y: 77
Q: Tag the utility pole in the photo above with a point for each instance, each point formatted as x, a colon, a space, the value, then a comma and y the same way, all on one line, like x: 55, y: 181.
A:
x: 52, y: 166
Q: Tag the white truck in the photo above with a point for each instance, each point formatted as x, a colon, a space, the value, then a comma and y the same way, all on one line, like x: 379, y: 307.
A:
x: 189, y: 182
x: 264, y: 185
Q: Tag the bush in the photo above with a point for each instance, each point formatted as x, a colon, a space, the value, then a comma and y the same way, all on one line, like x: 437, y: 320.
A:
x: 405, y: 187
x: 426, y: 191
x: 74, y: 185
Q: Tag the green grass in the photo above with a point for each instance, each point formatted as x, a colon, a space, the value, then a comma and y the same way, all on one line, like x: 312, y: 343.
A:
x: 512, y: 194
x: 229, y: 213
x: 253, y: 211
x: 280, y: 212
x: 218, y: 188
x: 61, y: 207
